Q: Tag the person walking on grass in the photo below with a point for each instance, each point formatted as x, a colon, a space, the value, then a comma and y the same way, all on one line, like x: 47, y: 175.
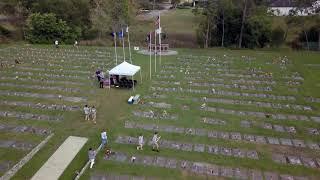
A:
x: 94, y: 114
x: 75, y: 44
x: 155, y: 140
x: 104, y: 137
x: 86, y: 110
x: 140, y: 142
x: 56, y: 43
x: 91, y: 156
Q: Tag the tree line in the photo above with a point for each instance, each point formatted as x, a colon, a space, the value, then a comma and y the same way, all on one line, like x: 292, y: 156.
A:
x: 249, y: 24
x: 225, y: 23
x: 42, y: 21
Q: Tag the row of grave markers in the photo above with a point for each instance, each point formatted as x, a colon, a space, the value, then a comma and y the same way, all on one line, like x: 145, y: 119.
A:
x: 199, y: 168
x: 235, y: 136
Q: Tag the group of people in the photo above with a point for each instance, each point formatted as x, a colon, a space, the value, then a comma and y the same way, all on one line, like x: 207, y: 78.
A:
x: 92, y: 153
x: 104, y: 140
x: 56, y: 43
x: 155, y: 142
x: 90, y: 113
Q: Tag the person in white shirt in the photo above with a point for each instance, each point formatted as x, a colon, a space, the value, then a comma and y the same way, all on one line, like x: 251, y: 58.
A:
x: 140, y: 142
x: 91, y: 156
x: 86, y: 110
x: 56, y: 43
x: 155, y: 140
x: 102, y: 75
x: 104, y: 137
x: 94, y: 114
x: 75, y: 44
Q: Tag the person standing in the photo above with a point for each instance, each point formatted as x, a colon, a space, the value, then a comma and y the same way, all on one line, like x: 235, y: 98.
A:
x: 140, y: 142
x: 91, y: 156
x: 104, y: 137
x: 75, y: 44
x: 155, y: 140
x: 86, y: 110
x: 101, y: 83
x: 56, y: 43
x: 94, y: 114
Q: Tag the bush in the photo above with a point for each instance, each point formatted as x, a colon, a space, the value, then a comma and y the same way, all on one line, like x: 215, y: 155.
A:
x: 277, y: 36
x: 4, y: 32
x: 184, y: 5
x: 46, y: 28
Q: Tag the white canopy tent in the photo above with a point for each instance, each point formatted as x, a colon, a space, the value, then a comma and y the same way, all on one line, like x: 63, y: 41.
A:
x: 125, y: 69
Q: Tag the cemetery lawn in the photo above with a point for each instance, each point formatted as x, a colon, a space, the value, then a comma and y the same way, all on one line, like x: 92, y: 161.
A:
x: 113, y: 111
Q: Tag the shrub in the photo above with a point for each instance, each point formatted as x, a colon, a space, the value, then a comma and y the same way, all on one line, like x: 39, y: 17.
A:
x: 46, y: 28
x: 277, y: 36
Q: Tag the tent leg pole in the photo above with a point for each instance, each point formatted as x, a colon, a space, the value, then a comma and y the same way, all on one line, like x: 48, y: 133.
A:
x: 140, y: 77
x: 133, y: 83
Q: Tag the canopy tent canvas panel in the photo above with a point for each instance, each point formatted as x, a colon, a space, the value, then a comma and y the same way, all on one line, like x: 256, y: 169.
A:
x: 125, y: 69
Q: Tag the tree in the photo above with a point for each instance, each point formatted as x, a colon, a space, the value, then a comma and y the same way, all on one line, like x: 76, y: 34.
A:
x: 45, y: 28
x: 76, y: 13
x: 221, y: 19
x: 105, y: 19
x: 99, y: 16
x: 277, y: 36
x: 175, y: 3
x: 258, y: 31
x: 244, y: 14
x: 224, y: 9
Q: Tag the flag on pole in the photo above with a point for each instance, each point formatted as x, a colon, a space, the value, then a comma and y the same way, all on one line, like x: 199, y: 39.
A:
x: 121, y: 34
x: 150, y: 52
x: 157, y: 22
x: 159, y: 30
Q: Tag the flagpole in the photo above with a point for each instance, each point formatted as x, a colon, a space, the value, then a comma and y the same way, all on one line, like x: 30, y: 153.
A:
x: 115, y: 47
x: 160, y: 31
x: 150, y: 49
x: 155, y: 51
x: 124, y: 53
x: 129, y: 45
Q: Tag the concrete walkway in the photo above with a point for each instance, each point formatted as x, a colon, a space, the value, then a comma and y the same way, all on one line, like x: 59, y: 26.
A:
x: 60, y: 160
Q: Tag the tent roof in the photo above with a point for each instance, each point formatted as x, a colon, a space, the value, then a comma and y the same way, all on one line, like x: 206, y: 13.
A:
x: 124, y: 69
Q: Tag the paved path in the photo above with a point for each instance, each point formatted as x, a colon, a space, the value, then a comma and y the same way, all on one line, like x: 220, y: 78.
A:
x: 60, y: 160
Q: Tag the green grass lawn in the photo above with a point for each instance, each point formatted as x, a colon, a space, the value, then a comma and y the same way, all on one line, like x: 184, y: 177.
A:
x: 180, y: 26
x: 113, y: 110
